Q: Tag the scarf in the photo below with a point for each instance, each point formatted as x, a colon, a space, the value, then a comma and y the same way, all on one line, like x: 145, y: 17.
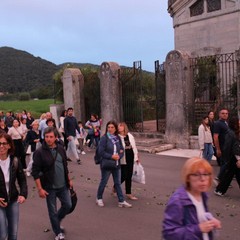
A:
x: 113, y: 138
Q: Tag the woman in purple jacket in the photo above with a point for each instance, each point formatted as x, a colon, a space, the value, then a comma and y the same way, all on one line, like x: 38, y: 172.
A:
x: 186, y: 216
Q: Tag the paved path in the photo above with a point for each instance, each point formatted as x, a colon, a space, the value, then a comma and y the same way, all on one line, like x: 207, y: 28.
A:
x: 142, y: 222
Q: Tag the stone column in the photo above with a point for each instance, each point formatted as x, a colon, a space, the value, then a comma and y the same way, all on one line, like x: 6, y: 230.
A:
x: 179, y: 99
x: 73, y: 84
x: 56, y: 110
x: 110, y: 93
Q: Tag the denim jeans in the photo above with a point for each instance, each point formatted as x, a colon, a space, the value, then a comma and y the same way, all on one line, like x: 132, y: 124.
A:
x: 93, y: 139
x: 117, y: 183
x: 55, y: 215
x: 208, y: 151
x: 9, y: 217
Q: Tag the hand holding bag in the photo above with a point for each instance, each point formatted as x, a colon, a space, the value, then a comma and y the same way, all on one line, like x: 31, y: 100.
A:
x: 74, y: 200
x: 138, y: 173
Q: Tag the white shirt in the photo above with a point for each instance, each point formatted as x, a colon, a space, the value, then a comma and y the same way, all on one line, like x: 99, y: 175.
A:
x: 5, y: 164
x: 15, y: 133
x: 201, y: 212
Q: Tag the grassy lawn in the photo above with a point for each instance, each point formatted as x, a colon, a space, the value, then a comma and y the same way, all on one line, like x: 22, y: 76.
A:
x: 36, y: 107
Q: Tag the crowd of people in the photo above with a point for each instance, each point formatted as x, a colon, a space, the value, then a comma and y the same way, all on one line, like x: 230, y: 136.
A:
x: 51, y: 147
x: 39, y: 148
x: 221, y: 138
x: 187, y: 215
x: 28, y: 133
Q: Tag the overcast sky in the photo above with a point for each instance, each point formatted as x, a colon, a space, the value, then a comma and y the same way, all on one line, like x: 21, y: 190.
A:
x: 91, y: 31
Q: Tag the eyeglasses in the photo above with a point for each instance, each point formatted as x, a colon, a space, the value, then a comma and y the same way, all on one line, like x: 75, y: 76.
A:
x: 200, y: 175
x: 4, y: 144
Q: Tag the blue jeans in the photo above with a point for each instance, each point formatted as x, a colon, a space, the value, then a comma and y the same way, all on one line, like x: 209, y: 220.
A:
x: 9, y: 217
x: 55, y: 215
x: 208, y: 151
x: 117, y: 183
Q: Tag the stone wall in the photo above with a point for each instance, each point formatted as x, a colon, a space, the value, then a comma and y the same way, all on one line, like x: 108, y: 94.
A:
x: 209, y: 33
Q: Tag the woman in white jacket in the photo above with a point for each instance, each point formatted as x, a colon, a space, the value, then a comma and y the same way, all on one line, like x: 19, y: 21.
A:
x: 130, y: 156
x: 205, y: 139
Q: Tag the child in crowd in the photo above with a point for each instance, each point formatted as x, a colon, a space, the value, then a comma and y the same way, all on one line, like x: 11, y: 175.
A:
x: 81, y: 137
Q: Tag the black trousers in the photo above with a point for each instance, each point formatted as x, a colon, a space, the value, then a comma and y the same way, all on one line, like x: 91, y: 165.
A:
x: 19, y: 152
x: 227, y: 175
x: 127, y: 171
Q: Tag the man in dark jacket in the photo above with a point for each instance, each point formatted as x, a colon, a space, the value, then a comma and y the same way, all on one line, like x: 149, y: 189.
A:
x: 52, y: 180
x: 219, y: 131
x: 230, y: 152
x: 70, y: 127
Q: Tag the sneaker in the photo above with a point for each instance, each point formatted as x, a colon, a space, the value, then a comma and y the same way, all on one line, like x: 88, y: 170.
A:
x: 60, y: 236
x: 78, y: 151
x: 78, y: 161
x: 100, y: 203
x: 124, y: 204
x: 28, y: 173
x: 219, y: 193
x: 83, y: 153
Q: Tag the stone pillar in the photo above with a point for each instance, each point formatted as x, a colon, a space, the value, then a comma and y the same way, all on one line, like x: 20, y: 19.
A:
x: 73, y: 95
x: 56, y: 110
x: 110, y: 93
x: 179, y: 99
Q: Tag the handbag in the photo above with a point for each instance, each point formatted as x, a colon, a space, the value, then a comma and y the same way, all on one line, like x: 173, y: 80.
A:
x: 138, y: 173
x: 96, y: 134
x: 74, y: 200
x: 108, y: 164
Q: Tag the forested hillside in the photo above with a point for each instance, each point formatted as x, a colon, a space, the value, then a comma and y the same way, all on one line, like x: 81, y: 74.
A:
x: 22, y: 72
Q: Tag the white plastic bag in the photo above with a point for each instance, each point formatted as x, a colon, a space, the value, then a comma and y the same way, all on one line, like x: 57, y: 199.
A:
x: 138, y: 173
x: 29, y: 150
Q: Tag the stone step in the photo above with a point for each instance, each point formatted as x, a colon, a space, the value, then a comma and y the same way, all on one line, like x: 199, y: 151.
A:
x: 156, y: 149
x: 148, y: 135
x: 148, y: 142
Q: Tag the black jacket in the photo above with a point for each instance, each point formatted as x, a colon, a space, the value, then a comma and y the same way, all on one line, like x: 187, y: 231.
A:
x: 231, y: 146
x: 31, y: 136
x: 44, y: 165
x: 70, y: 126
x: 16, y: 173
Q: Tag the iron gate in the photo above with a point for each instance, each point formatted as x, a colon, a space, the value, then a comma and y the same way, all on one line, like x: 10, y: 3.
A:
x: 131, y: 80
x: 160, y: 86
x: 215, y: 81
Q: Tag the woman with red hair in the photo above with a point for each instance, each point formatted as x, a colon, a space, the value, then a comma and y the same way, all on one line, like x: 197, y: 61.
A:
x: 187, y: 215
